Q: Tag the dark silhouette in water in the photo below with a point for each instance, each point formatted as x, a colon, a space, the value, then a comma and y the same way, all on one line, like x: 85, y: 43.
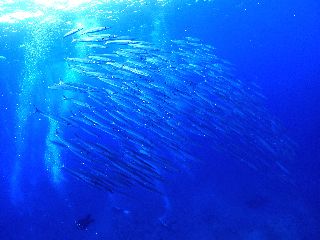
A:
x: 83, y: 223
x: 257, y: 202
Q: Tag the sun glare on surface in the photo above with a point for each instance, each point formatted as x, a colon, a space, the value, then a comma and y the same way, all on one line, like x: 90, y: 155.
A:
x: 18, y: 16
x: 14, y: 11
x: 61, y: 4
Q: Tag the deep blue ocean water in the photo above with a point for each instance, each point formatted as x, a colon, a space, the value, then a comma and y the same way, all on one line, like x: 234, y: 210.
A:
x: 273, y: 44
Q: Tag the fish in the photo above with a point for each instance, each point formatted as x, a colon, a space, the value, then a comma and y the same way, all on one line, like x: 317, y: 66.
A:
x: 122, y: 42
x: 72, y: 32
x: 94, y: 30
x: 77, y: 102
x: 83, y: 223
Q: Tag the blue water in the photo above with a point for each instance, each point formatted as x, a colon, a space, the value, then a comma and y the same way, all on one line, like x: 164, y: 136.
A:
x: 274, y: 44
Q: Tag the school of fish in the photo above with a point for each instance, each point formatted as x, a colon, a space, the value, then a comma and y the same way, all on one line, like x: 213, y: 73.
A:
x: 138, y: 111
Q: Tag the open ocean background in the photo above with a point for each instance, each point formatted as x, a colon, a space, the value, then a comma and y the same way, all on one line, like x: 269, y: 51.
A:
x: 273, y: 44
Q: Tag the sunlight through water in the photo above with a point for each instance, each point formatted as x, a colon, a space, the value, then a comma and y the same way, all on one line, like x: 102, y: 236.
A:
x: 62, y: 4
